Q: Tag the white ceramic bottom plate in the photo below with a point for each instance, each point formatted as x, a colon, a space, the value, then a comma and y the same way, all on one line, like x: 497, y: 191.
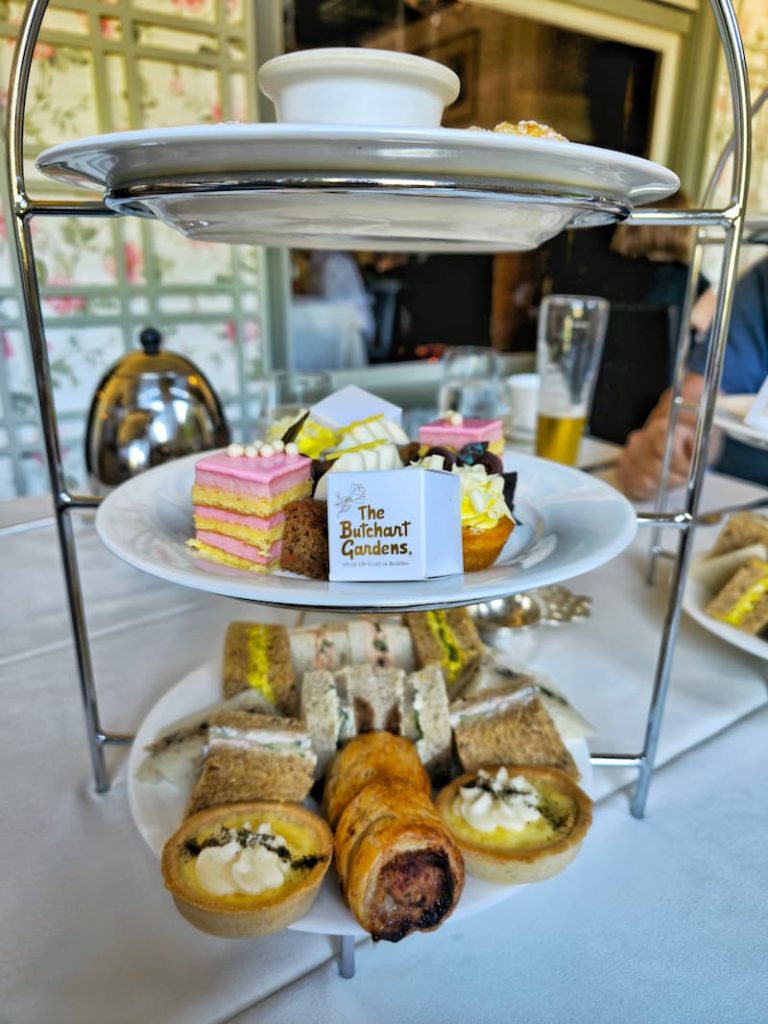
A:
x: 157, y: 809
x: 729, y: 416
x: 338, y: 219
x: 570, y: 523
x: 695, y: 599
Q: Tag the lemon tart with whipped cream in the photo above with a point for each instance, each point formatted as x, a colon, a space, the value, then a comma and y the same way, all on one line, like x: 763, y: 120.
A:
x: 247, y: 869
x: 516, y: 824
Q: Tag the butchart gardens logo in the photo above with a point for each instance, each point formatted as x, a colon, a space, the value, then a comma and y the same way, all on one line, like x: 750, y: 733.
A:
x: 344, y: 502
x: 365, y: 532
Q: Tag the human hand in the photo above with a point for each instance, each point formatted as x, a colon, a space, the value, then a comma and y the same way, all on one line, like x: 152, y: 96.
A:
x: 640, y: 462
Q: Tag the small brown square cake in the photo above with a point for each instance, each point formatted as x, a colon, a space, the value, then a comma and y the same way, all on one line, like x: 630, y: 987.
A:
x: 305, y: 539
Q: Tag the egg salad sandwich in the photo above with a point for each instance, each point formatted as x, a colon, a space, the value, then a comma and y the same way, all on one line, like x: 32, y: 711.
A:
x: 743, y: 601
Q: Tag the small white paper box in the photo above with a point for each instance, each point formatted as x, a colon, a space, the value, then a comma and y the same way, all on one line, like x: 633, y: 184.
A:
x: 350, y: 404
x: 395, y: 524
x: 757, y: 415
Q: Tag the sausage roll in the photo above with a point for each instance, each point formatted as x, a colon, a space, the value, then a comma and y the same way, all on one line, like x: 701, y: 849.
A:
x: 400, y: 870
x: 371, y: 756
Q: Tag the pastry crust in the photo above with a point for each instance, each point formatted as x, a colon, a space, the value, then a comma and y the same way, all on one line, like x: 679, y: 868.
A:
x: 399, y: 868
x: 248, y: 916
x: 481, y: 548
x: 368, y: 757
x: 490, y: 861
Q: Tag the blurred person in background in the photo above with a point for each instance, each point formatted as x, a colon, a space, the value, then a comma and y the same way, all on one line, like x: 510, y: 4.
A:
x: 745, y: 368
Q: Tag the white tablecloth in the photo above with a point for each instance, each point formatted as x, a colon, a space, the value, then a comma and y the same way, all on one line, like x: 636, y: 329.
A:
x: 89, y: 933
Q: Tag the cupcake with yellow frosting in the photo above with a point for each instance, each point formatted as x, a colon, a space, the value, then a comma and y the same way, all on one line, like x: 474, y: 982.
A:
x: 486, y: 521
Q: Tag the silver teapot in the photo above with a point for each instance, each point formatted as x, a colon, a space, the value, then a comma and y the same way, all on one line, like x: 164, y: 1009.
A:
x: 150, y: 407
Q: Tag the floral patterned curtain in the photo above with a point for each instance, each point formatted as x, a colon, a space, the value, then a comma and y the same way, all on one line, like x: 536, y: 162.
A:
x: 110, y: 66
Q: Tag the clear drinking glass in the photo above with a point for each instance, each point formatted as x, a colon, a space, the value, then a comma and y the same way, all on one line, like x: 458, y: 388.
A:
x: 470, y: 382
x: 570, y: 344
x: 294, y: 390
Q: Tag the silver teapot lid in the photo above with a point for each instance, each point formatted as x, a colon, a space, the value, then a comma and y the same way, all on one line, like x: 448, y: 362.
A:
x: 149, y: 407
x: 152, y: 359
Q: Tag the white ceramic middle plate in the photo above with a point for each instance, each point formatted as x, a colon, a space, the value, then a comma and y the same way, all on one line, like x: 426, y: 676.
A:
x: 154, y: 154
x: 569, y: 523
x: 157, y: 809
x: 191, y: 178
x: 730, y: 411
x: 696, y: 597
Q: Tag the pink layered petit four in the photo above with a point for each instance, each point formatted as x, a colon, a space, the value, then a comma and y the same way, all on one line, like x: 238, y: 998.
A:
x: 238, y: 497
x: 454, y: 431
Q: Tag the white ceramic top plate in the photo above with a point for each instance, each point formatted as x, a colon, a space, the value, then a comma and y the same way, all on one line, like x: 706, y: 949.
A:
x: 570, y: 523
x: 729, y: 416
x: 157, y: 809
x: 695, y: 599
x: 152, y: 155
x: 594, y: 186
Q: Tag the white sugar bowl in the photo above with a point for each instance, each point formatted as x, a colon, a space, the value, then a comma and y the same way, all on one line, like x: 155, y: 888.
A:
x: 356, y: 85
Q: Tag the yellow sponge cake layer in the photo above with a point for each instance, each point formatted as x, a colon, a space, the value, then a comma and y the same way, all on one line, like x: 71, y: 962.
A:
x: 214, y: 554
x: 249, y: 504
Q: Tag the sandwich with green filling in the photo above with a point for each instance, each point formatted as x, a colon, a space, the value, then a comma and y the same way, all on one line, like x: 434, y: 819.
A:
x: 449, y: 639
x: 254, y: 757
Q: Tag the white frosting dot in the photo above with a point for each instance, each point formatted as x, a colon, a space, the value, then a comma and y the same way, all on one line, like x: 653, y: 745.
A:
x: 278, y: 445
x: 266, y: 450
x: 250, y: 451
x: 455, y: 418
x: 291, y: 448
x: 235, y: 451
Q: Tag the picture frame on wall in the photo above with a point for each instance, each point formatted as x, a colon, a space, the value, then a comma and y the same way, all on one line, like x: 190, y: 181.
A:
x: 461, y: 53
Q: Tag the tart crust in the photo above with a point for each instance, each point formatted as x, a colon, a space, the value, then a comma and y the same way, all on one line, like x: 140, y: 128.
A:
x: 247, y: 916
x: 490, y: 861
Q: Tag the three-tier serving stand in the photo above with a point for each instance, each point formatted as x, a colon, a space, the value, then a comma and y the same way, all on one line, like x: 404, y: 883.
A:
x: 729, y: 220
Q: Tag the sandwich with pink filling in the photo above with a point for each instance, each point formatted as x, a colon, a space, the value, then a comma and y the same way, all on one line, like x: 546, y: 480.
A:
x: 455, y: 431
x: 238, y: 498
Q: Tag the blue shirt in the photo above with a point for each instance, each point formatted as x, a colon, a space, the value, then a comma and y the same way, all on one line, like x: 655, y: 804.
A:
x: 745, y: 365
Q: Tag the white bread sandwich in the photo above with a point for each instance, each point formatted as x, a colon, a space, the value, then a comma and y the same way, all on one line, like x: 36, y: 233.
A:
x: 427, y: 720
x: 338, y: 706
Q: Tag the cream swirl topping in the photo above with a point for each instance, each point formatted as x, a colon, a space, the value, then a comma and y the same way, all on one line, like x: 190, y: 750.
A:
x: 236, y: 868
x: 497, y: 801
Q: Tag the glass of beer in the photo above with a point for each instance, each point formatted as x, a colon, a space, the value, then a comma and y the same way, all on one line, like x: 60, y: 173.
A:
x: 570, y: 343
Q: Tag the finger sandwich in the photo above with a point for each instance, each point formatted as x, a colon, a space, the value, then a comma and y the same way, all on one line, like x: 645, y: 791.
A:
x: 743, y: 601
x: 448, y: 638
x: 338, y: 706
x: 254, y: 757
x: 258, y: 657
x: 508, y: 727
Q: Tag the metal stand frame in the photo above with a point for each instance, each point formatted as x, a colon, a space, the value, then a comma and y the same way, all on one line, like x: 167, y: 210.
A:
x: 730, y: 220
